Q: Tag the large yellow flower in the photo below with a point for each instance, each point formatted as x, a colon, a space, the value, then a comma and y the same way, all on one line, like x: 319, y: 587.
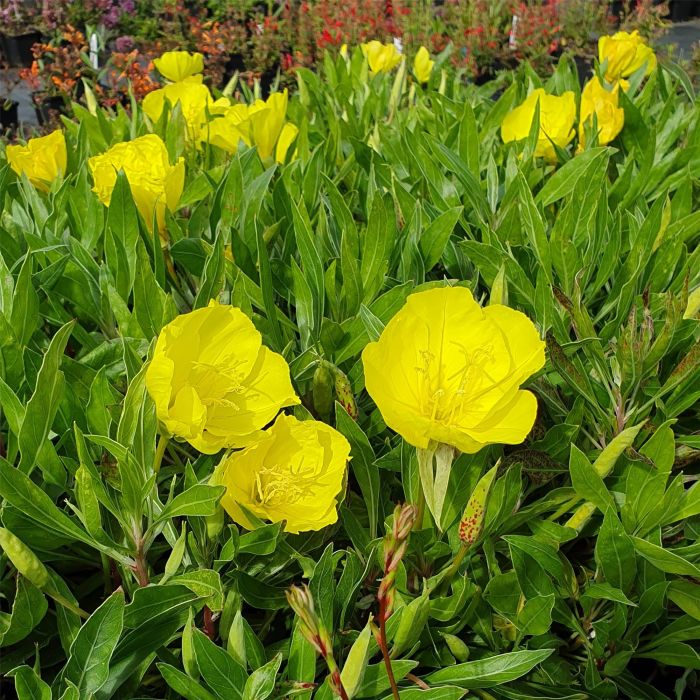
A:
x: 155, y: 183
x: 624, y: 53
x: 178, y: 65
x: 610, y: 117
x: 194, y: 99
x: 381, y: 58
x: 423, y: 65
x: 213, y: 381
x: 557, y: 117
x: 445, y: 370
x: 42, y: 160
x: 295, y: 473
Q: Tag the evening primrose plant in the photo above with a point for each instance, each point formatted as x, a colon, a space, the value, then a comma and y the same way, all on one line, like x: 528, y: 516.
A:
x: 223, y: 374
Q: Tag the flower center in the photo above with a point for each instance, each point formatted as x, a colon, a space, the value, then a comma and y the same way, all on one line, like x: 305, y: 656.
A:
x: 443, y: 396
x: 283, y: 484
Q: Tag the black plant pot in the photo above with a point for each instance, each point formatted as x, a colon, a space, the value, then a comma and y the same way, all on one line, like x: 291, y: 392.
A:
x: 584, y: 68
x: 9, y: 116
x: 18, y: 49
x: 48, y: 108
x: 681, y: 11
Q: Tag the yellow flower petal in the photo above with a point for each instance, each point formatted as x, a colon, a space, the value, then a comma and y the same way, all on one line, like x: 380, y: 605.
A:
x: 42, y: 160
x: 178, y: 65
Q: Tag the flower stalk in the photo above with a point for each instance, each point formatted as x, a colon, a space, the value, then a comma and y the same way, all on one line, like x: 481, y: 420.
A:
x: 315, y: 632
x: 395, y: 545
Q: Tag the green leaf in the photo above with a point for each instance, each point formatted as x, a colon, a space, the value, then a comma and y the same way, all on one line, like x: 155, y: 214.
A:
x: 43, y: 404
x: 665, y: 559
x: 261, y: 682
x: 28, y: 685
x: 615, y: 554
x: 491, y: 672
x: 182, y: 684
x: 261, y: 541
x: 226, y: 677
x: 201, y: 500
x: 92, y: 649
x: 28, y: 610
x: 587, y: 482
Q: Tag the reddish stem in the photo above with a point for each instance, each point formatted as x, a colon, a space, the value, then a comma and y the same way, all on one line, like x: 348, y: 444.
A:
x: 209, y: 628
x: 385, y: 651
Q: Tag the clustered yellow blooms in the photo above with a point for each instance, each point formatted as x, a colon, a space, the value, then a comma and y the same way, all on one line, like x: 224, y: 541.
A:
x: 42, y: 159
x: 155, y: 184
x: 423, y: 65
x: 381, y: 58
x: 261, y: 124
x: 294, y: 473
x: 215, y: 385
x: 604, y: 104
x: 557, y: 117
x: 445, y: 370
x: 624, y: 53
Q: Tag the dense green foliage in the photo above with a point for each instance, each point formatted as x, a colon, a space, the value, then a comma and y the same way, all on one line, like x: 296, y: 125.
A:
x: 585, y: 581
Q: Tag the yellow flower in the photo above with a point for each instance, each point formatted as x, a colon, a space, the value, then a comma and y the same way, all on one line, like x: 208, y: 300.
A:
x: 213, y: 381
x: 295, y: 473
x: 610, y: 117
x: 230, y: 129
x: 381, y: 58
x: 178, y: 65
x: 623, y: 54
x: 445, y: 370
x: 42, y: 160
x: 344, y: 51
x: 287, y: 136
x: 155, y: 183
x: 557, y: 116
x: 266, y: 121
x: 423, y: 65
x: 194, y: 98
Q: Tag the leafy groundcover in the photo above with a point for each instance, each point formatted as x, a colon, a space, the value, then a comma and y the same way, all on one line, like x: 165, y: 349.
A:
x: 561, y: 564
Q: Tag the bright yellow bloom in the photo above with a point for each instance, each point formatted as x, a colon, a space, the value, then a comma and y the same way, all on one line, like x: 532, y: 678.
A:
x: 230, y: 129
x: 295, y: 473
x: 423, y: 65
x: 42, y: 160
x: 610, y: 117
x: 213, y: 381
x: 447, y: 371
x: 344, y: 51
x: 381, y: 58
x: 557, y: 117
x: 194, y: 98
x: 623, y: 54
x: 155, y: 183
x: 287, y: 136
x: 178, y: 65
x: 266, y: 120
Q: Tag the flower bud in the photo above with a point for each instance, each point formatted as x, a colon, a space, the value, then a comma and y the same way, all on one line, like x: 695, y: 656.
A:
x: 343, y: 391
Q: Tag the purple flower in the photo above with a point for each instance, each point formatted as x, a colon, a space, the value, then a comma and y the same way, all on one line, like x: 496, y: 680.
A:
x: 124, y: 44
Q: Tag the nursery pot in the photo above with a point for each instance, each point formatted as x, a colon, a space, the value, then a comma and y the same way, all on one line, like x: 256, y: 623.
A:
x: 47, y: 107
x: 8, y: 114
x: 682, y: 10
x: 18, y: 49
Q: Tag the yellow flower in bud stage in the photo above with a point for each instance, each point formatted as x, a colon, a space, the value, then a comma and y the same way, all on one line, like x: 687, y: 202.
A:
x: 445, y: 370
x: 155, y: 184
x: 295, y: 472
x: 557, y: 117
x: 344, y: 51
x: 288, y: 134
x: 178, y: 65
x: 213, y: 381
x: 423, y: 65
x: 624, y: 53
x: 609, y: 116
x: 194, y: 98
x: 42, y: 160
x: 381, y: 58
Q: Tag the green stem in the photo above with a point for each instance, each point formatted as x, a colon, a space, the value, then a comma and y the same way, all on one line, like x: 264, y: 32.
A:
x: 160, y: 451
x: 420, y: 508
x: 454, y: 567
